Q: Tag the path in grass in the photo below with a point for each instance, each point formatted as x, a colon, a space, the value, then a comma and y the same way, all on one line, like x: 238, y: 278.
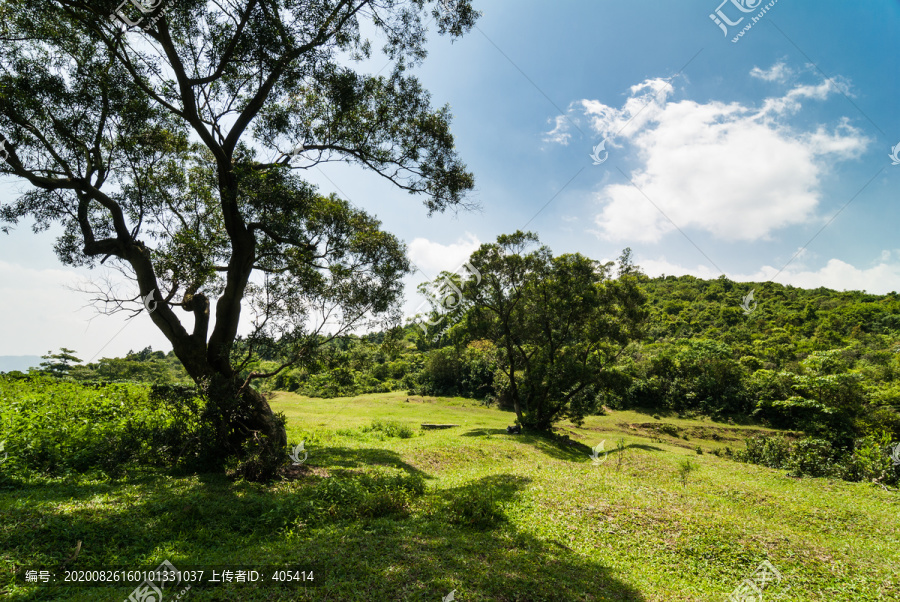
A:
x: 500, y: 518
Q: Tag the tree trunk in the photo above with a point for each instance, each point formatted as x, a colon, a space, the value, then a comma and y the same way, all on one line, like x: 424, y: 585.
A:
x: 237, y: 423
x: 262, y: 419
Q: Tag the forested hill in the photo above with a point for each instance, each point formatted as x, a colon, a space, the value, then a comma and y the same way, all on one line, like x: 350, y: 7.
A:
x: 786, y: 323
x: 818, y: 361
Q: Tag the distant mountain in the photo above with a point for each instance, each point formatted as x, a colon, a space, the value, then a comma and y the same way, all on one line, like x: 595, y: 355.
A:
x: 8, y: 363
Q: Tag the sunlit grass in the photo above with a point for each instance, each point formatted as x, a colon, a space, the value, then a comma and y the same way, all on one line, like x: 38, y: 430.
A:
x: 502, y: 517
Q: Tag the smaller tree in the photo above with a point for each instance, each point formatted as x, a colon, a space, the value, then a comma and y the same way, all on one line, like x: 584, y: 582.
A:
x: 59, y: 364
x: 558, y: 323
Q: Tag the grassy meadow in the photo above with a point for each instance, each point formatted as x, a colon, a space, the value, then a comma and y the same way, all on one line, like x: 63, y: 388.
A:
x: 383, y: 510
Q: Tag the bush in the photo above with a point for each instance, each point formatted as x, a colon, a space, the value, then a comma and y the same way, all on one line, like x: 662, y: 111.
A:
x: 868, y: 460
x: 813, y: 457
x: 668, y: 429
x: 57, y: 427
x: 390, y: 428
x: 767, y: 451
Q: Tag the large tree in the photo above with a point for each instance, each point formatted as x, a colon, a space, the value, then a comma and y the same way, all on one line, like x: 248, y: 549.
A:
x: 167, y: 140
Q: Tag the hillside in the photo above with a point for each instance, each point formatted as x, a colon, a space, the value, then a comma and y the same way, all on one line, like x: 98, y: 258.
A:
x: 382, y: 510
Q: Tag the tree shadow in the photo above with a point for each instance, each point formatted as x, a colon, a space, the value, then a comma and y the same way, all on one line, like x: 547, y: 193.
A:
x: 557, y: 447
x: 644, y: 447
x: 485, y: 432
x: 351, y: 458
x: 458, y: 538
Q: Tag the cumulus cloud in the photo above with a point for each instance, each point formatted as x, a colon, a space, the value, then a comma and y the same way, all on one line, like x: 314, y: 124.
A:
x: 736, y: 171
x: 879, y: 279
x: 432, y: 257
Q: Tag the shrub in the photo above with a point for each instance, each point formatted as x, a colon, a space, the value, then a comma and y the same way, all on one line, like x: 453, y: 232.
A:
x: 668, y: 429
x: 685, y: 468
x: 870, y: 460
x: 766, y: 451
x: 814, y: 458
x: 57, y: 427
x: 390, y: 428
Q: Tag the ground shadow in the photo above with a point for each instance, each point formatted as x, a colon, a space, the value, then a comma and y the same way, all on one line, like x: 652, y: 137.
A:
x: 644, y: 447
x: 484, y: 432
x: 346, y: 457
x: 417, y: 557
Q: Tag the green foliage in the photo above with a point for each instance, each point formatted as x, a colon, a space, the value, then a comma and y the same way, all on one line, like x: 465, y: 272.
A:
x: 772, y: 451
x: 56, y: 427
x: 685, y: 468
x: 380, y: 492
x: 813, y: 457
x: 353, y: 365
x: 692, y: 375
x: 867, y: 460
x: 557, y: 325
x: 390, y: 428
x: 146, y: 366
x: 470, y: 372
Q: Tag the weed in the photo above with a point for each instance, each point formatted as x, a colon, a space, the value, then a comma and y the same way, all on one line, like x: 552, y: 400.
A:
x: 685, y: 468
x: 620, y: 453
x: 390, y: 428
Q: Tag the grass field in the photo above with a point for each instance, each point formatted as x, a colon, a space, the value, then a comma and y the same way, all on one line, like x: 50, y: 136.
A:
x: 388, y: 513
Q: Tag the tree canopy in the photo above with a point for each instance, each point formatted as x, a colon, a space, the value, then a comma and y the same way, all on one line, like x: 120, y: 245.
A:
x: 558, y: 325
x: 173, y: 151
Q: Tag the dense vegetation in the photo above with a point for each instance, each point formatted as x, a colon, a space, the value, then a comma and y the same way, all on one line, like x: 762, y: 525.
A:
x: 55, y: 427
x: 146, y: 366
x: 818, y: 362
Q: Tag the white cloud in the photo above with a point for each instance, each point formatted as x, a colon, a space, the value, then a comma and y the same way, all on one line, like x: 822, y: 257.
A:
x: 736, y: 171
x: 560, y: 132
x: 779, y: 72
x: 790, y: 102
x: 432, y: 258
x: 838, y: 275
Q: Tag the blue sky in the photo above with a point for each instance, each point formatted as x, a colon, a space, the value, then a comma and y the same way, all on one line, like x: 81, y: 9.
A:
x: 723, y: 157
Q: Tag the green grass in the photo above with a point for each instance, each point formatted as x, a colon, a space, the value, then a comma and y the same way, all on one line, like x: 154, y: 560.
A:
x: 496, y: 517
